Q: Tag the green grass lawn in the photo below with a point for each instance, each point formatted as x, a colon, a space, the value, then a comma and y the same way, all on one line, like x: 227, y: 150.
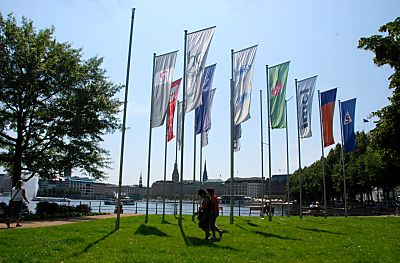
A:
x: 249, y: 239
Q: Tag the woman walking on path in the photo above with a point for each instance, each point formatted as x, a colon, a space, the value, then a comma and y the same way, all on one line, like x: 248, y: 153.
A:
x: 18, y: 195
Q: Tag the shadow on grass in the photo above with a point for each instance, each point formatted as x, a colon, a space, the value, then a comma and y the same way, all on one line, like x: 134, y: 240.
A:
x: 150, y: 231
x: 267, y: 235
x: 185, y: 239
x: 251, y: 223
x: 166, y: 222
x: 92, y: 244
x: 198, y: 242
x: 239, y: 226
x: 319, y: 230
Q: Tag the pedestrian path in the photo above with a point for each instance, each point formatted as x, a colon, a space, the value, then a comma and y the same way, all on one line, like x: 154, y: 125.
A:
x: 63, y: 221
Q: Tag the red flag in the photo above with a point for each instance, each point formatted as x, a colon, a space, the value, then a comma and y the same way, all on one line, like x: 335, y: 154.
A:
x: 173, y: 95
x: 328, y: 99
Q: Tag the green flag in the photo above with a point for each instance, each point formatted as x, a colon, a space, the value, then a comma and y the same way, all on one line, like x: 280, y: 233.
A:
x: 277, y: 77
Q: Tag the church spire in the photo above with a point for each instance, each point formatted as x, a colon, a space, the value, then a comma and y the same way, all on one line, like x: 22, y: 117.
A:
x: 205, y: 176
x: 140, y: 180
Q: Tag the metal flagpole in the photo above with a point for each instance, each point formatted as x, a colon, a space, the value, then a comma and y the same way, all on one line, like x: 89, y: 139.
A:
x: 344, y: 171
x: 165, y: 165
x: 121, y: 162
x: 232, y: 155
x: 323, y: 154
x: 183, y: 129
x: 269, y: 149
x: 262, y: 156
x: 149, y: 152
x: 176, y: 152
x: 194, y: 167
x: 201, y: 157
x: 287, y: 160
x: 298, y: 140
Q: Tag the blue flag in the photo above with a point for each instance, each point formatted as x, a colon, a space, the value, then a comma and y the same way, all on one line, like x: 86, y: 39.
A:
x: 203, y: 112
x: 347, y: 116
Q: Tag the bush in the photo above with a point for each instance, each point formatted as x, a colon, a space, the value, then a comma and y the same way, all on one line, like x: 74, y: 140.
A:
x: 46, y: 208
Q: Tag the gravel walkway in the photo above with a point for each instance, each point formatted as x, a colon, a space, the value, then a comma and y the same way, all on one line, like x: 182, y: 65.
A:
x: 62, y: 221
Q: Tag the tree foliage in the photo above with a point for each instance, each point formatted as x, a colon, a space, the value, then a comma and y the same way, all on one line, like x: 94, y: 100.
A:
x: 54, y: 105
x: 386, y: 135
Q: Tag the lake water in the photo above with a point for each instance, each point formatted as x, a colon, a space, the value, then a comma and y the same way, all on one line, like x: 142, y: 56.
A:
x: 155, y: 207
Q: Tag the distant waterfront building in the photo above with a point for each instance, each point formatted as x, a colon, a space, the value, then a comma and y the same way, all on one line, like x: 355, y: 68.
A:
x: 5, y: 183
x: 251, y: 186
x: 217, y: 184
x: 157, y: 189
x: 83, y: 185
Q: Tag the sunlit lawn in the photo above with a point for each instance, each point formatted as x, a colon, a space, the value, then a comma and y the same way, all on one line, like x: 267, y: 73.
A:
x: 249, y: 239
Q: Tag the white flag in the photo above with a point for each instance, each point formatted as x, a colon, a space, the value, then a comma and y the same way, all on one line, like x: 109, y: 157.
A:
x: 242, y: 83
x: 305, y: 92
x: 204, y: 139
x: 179, y: 125
x: 196, y: 55
x: 164, y: 67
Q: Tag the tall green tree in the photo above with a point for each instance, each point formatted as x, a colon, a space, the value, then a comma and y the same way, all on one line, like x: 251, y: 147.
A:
x: 386, y: 135
x: 54, y: 105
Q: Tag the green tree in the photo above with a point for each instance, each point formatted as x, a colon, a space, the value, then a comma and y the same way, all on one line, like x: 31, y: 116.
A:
x: 54, y: 105
x: 386, y: 135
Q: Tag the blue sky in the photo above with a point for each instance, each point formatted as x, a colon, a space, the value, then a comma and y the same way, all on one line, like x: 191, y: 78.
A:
x: 318, y: 37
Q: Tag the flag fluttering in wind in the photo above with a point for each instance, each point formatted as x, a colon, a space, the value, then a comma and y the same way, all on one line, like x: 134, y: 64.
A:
x: 328, y: 99
x: 164, y: 66
x: 203, y: 112
x: 198, y: 44
x: 179, y: 128
x: 237, y: 134
x: 347, y: 115
x: 204, y: 139
x: 277, y: 78
x: 305, y: 93
x: 173, y: 96
x: 243, y: 62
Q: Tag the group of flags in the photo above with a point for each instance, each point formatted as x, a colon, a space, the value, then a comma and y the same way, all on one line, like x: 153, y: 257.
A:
x: 198, y: 92
x: 198, y: 95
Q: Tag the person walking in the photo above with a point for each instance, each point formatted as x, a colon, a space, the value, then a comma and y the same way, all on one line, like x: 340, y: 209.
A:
x: 214, y: 213
x: 204, y: 213
x: 15, y: 206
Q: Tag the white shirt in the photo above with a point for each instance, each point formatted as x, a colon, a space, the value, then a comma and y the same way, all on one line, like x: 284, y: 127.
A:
x: 18, y: 194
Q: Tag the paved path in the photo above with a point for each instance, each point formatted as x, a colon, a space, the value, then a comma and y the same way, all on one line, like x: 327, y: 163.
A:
x: 63, y: 221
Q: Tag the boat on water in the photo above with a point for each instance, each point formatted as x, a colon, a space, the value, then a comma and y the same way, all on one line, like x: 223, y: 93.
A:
x: 51, y: 199
x: 124, y: 201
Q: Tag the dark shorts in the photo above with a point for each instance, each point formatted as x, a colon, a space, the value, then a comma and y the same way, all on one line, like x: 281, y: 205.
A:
x: 15, y: 209
x: 213, y: 218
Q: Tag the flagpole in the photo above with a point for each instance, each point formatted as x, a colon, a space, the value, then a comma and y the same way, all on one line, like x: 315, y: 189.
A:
x: 298, y: 143
x: 176, y: 151
x: 121, y: 162
x: 262, y: 155
x: 232, y: 155
x: 183, y: 128
x: 194, y: 167
x: 165, y: 165
x: 287, y: 160
x: 201, y: 156
x: 323, y: 154
x: 344, y: 172
x: 269, y: 149
x: 149, y: 151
